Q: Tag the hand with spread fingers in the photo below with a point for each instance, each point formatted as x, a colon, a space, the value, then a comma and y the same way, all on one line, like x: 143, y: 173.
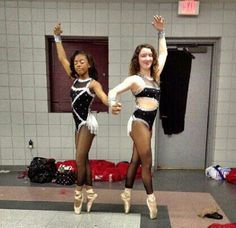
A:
x: 158, y: 23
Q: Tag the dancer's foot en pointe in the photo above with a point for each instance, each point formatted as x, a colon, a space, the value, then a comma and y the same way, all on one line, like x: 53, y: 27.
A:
x: 152, y: 206
x: 78, y: 202
x: 126, y: 197
x: 91, y: 196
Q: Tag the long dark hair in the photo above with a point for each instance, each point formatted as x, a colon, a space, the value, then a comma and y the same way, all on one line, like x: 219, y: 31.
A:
x: 134, y: 67
x: 93, y: 73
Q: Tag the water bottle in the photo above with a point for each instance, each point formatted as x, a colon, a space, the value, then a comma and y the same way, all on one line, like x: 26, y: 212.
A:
x: 110, y: 177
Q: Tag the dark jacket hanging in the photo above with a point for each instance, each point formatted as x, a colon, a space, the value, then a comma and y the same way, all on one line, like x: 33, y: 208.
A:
x: 174, y: 90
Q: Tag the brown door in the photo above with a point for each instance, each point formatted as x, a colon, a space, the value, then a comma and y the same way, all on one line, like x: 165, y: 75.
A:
x: 60, y: 83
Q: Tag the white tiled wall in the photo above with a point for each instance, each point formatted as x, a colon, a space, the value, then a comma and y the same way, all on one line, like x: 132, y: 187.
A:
x: 23, y: 80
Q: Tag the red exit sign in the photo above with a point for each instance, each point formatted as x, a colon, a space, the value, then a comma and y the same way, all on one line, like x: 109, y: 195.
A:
x: 188, y: 7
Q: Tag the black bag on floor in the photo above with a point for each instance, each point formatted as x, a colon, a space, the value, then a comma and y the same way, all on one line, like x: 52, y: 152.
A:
x: 41, y: 170
x: 67, y: 177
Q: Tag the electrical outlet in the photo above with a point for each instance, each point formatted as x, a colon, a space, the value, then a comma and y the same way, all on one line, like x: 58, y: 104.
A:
x: 30, y: 144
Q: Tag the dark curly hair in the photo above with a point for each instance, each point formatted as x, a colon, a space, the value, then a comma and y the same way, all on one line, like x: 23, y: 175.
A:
x: 93, y: 73
x: 134, y: 67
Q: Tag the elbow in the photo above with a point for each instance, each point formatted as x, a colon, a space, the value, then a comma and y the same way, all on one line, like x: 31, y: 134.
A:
x: 163, y: 52
x: 166, y: 53
x: 60, y: 58
x: 64, y: 62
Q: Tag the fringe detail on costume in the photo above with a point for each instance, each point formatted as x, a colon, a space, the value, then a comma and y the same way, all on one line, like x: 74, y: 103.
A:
x: 129, y: 125
x: 92, y: 123
x: 130, y: 121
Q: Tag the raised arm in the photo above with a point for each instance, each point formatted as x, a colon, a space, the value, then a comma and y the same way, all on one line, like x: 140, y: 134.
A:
x: 158, y: 24
x: 60, y: 49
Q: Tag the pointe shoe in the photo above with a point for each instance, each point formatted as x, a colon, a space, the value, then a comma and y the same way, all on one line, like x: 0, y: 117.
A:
x: 78, y: 202
x: 152, y: 206
x: 126, y: 197
x: 91, y: 196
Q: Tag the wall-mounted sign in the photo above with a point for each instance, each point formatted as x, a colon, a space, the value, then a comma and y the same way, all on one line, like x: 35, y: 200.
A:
x: 188, y: 7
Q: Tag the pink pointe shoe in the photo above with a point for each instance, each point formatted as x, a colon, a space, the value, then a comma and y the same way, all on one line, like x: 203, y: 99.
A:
x: 126, y: 198
x: 78, y: 201
x: 91, y: 196
x: 152, y: 206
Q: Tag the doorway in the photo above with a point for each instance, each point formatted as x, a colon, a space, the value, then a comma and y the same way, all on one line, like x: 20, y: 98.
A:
x: 188, y: 149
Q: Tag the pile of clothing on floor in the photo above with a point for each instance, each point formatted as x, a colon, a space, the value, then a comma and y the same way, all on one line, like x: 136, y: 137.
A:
x: 44, y: 170
x: 217, y: 172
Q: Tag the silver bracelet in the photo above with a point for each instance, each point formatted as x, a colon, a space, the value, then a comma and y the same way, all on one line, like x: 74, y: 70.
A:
x: 161, y: 34
x: 57, y: 38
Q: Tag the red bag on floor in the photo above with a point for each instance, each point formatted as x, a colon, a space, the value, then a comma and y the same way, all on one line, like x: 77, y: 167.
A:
x: 103, y: 170
x: 98, y: 167
x: 229, y: 225
x: 101, y: 163
x: 139, y: 172
x: 111, y: 174
x: 231, y: 177
x: 122, y: 167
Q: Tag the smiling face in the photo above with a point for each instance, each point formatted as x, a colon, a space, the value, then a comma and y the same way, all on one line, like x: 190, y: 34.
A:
x: 144, y: 61
x: 145, y: 58
x: 81, y: 65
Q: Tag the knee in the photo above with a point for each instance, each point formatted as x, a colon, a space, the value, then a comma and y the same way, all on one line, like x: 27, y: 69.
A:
x: 147, y: 162
x: 147, y: 166
x: 80, y: 163
x: 135, y: 163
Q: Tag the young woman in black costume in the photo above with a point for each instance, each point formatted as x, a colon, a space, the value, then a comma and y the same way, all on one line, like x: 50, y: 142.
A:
x: 81, y: 69
x: 145, y: 70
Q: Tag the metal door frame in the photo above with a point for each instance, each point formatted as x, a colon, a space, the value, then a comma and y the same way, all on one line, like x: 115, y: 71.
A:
x: 212, y: 107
